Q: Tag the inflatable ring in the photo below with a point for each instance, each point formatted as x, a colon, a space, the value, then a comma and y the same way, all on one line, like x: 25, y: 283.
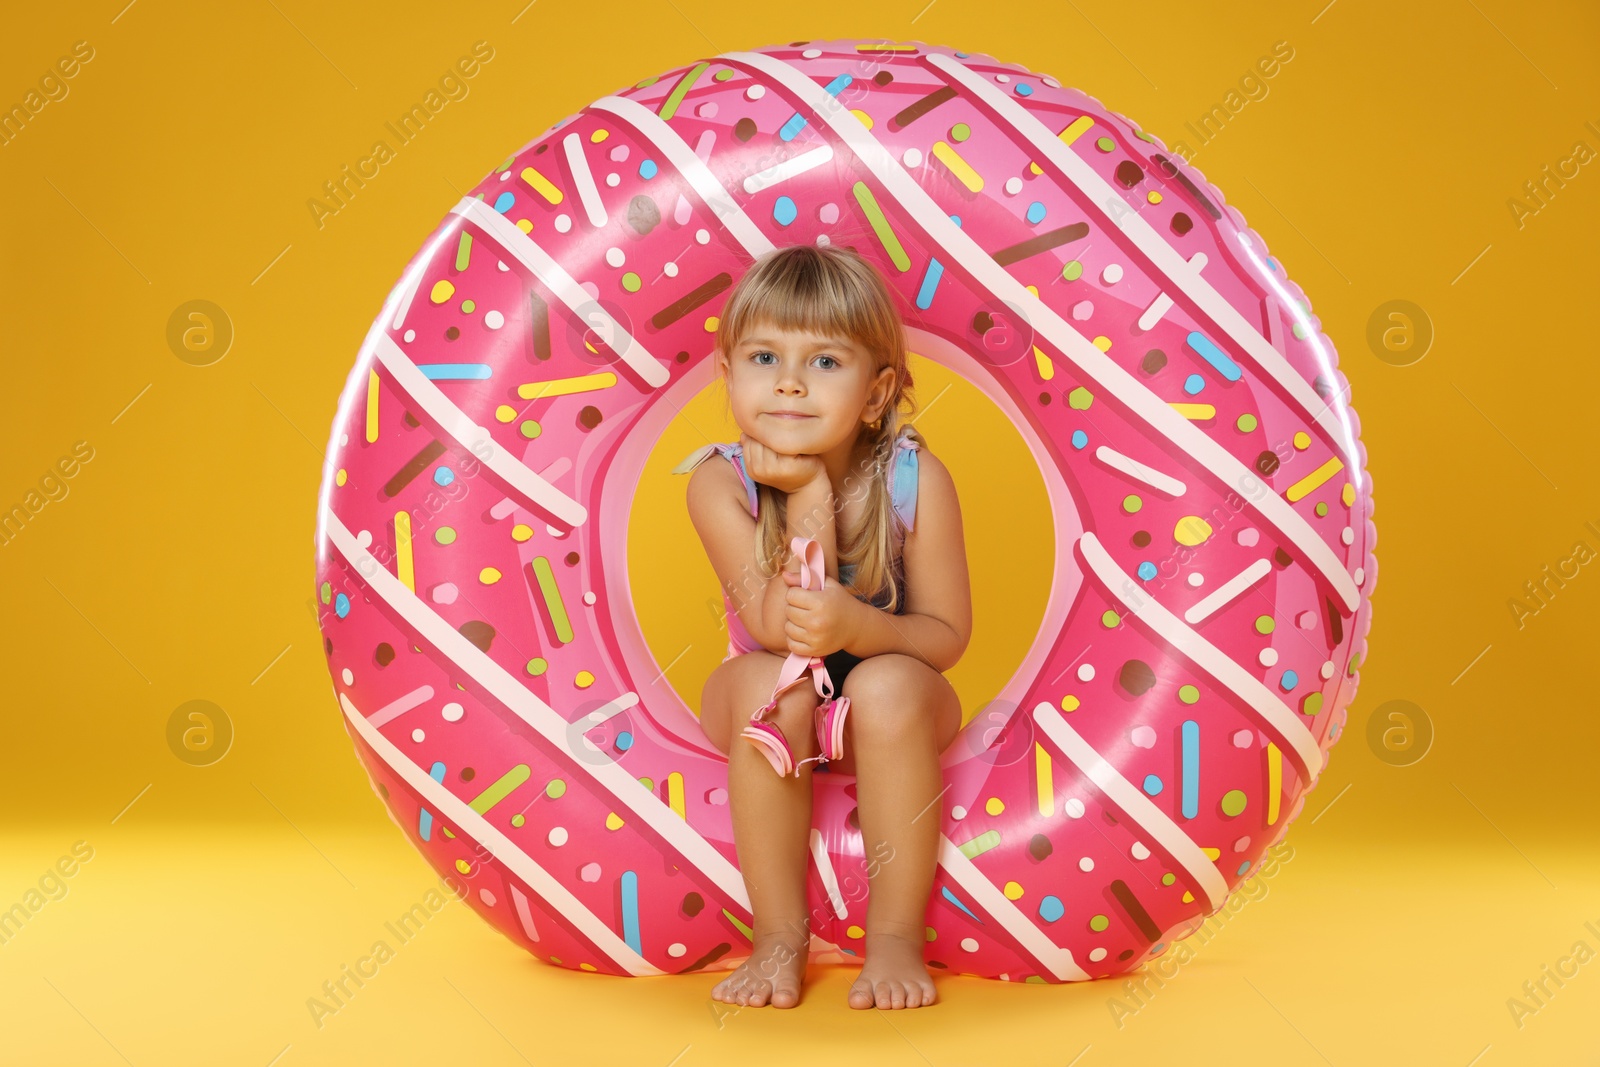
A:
x: 1210, y: 597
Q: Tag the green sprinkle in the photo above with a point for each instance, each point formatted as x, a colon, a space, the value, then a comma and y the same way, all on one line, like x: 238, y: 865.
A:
x: 445, y: 535
x: 1105, y: 144
x: 960, y: 132
x: 555, y: 788
x: 530, y: 429
x: 631, y: 282
x: 1072, y: 271
x: 1188, y: 694
x: 1247, y: 422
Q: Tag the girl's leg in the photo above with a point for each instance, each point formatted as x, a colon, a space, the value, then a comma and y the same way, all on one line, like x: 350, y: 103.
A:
x: 904, y: 714
x: 771, y: 825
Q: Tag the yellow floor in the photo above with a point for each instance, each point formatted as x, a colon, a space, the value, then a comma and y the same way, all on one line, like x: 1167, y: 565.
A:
x: 204, y: 945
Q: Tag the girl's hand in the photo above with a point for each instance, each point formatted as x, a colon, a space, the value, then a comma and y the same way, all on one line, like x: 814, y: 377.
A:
x: 785, y: 473
x: 819, y: 622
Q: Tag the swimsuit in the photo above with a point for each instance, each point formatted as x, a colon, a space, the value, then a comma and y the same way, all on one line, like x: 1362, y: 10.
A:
x: 902, y: 486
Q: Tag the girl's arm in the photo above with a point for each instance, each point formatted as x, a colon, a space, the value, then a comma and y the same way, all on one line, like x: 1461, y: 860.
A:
x: 938, y: 621
x: 810, y: 514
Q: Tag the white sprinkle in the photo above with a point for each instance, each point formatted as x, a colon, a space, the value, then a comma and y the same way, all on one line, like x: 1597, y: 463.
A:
x: 344, y: 439
x: 1096, y: 955
x: 958, y: 813
x: 563, y: 223
x: 811, y: 53
x: 557, y: 836
x: 1348, y: 535
x: 451, y: 712
x: 1086, y: 864
x: 913, y: 157
x: 822, y: 239
x: 1086, y: 672
x: 1139, y: 852
x: 418, y: 736
x: 1048, y: 80
x: 364, y: 538
x: 1327, y: 670
x: 410, y: 335
x: 614, y: 256
x: 588, y: 598
x: 755, y: 92
x: 349, y: 678
x: 1002, y: 78
x: 613, y: 179
x: 1074, y: 807
x: 494, y: 320
x: 501, y: 264
x: 1013, y: 186
x: 670, y: 270
x: 1360, y: 575
x: 703, y: 236
x: 970, y: 944
x: 1268, y: 657
x: 1196, y: 580
x: 1112, y: 274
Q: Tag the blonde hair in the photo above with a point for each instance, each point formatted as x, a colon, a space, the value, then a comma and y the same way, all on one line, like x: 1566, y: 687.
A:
x: 832, y: 291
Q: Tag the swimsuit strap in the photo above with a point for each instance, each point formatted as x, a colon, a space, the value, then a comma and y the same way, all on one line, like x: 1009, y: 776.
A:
x: 735, y: 454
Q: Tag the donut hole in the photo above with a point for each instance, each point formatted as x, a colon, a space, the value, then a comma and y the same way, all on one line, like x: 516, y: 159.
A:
x: 1009, y: 529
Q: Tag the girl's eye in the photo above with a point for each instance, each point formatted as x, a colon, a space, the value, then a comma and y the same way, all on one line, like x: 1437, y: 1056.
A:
x: 756, y: 355
x: 831, y: 360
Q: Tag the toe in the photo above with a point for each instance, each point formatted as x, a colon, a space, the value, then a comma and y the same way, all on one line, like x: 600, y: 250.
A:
x: 884, y: 995
x: 860, y: 995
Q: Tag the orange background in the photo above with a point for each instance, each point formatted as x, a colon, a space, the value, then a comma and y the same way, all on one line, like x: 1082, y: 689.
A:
x: 1381, y: 163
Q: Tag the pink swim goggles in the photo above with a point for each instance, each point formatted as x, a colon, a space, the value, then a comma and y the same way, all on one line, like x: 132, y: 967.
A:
x: 830, y: 714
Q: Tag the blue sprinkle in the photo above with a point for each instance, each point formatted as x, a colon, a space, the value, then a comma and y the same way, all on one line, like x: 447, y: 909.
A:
x: 1051, y: 908
x: 503, y: 202
x: 1152, y: 784
x: 1214, y: 356
x: 951, y: 897
x: 962, y: 55
x: 835, y: 87
x: 443, y: 476
x: 341, y: 605
x: 1289, y: 680
x: 1193, y: 384
x: 1079, y: 439
x: 930, y: 283
x: 454, y: 372
x: 1147, y: 570
x: 785, y: 211
x: 1333, y: 734
x: 789, y: 129
x: 647, y: 169
x: 1024, y: 90
x: 1245, y: 866
x: 624, y: 741
x: 1036, y: 212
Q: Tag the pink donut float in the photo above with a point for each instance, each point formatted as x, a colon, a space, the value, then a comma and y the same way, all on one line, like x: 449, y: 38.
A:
x: 1210, y: 597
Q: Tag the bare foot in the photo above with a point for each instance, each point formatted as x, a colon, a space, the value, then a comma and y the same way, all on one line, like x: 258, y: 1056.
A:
x: 894, y: 975
x: 773, y: 974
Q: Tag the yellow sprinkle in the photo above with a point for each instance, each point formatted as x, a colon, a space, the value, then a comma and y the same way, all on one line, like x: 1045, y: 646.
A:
x: 505, y: 413
x: 488, y: 576
x: 581, y: 383
x: 372, y: 407
x: 958, y: 166
x: 1034, y: 167
x: 441, y: 291
x: 855, y: 932
x: 1046, y: 365
x: 1191, y: 530
x: 711, y: 324
x: 994, y: 805
x: 1070, y: 703
x: 1195, y: 411
x: 599, y: 135
x: 521, y: 532
x: 1044, y: 779
x: 886, y: 47
x: 341, y: 477
x: 588, y: 967
x: 584, y: 680
x: 1103, y: 343
x: 1080, y: 125
x: 613, y: 821
x: 1188, y: 897
x: 1034, y: 289
x: 525, y: 225
x: 1153, y: 196
x: 866, y: 119
x: 1347, y: 494
x: 1314, y: 479
x: 463, y: 866
x: 1211, y: 853
x: 1302, y: 440
x: 542, y: 185
x: 402, y: 545
x: 1013, y: 891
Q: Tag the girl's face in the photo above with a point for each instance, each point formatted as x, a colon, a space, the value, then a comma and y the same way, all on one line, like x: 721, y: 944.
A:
x: 829, y: 381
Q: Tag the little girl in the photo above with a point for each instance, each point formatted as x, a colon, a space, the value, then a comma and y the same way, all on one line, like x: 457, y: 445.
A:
x: 812, y: 352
